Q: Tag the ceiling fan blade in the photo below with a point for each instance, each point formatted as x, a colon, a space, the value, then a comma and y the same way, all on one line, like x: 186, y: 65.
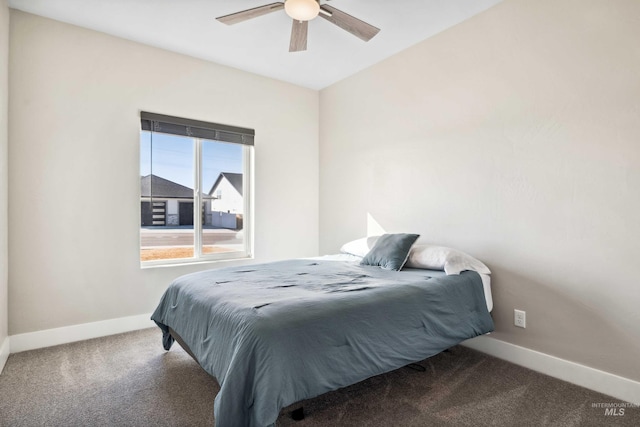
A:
x: 298, y: 36
x: 347, y: 22
x: 234, y: 18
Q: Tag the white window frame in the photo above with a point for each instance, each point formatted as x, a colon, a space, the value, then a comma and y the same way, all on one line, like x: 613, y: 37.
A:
x: 247, y: 220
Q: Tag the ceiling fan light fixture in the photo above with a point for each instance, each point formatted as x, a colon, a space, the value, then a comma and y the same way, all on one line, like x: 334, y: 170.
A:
x: 302, y: 10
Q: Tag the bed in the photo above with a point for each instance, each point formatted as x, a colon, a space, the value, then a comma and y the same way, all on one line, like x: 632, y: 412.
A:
x: 278, y: 333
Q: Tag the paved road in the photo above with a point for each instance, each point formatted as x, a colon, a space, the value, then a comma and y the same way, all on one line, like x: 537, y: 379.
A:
x: 181, y: 237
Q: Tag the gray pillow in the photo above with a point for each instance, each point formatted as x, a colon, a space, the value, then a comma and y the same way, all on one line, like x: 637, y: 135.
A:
x: 391, y: 251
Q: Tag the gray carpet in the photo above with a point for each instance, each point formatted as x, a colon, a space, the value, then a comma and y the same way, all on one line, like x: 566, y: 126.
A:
x: 129, y: 380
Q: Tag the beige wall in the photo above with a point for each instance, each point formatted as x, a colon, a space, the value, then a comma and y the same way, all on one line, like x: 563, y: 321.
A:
x: 75, y: 98
x: 4, y: 99
x: 512, y: 136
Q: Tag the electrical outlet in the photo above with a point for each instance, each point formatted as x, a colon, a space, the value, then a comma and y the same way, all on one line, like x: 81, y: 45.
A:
x: 520, y: 318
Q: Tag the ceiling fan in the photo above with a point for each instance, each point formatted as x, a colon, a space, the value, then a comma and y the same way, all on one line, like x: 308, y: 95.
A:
x: 303, y: 11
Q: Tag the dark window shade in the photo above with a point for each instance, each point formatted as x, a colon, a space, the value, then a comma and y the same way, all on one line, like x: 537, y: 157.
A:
x: 195, y: 128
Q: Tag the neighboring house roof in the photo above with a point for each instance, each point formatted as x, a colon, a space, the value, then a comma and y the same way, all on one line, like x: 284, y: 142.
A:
x: 235, y: 179
x: 163, y: 188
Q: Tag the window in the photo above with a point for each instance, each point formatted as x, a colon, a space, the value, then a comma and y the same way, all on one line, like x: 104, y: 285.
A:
x: 185, y: 167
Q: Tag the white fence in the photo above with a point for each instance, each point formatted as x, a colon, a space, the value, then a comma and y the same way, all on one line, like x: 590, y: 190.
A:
x: 224, y: 220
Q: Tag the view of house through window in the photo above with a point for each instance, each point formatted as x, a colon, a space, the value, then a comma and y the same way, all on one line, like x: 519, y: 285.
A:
x: 193, y: 201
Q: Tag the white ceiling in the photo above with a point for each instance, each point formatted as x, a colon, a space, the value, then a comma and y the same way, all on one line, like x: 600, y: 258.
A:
x: 261, y: 45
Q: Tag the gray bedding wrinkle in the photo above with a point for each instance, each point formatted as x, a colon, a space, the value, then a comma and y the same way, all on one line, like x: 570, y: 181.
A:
x: 278, y: 333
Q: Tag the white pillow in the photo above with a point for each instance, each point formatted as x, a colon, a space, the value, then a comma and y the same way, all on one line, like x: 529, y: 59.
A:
x: 450, y: 260
x: 359, y: 247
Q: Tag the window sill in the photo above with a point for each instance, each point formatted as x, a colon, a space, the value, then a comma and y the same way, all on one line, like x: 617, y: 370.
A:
x: 189, y: 262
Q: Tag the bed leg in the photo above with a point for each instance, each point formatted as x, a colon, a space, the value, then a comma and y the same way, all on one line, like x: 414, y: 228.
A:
x: 416, y: 367
x: 298, y: 414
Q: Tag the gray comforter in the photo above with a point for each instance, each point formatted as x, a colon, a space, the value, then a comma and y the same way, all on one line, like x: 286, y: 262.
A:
x: 275, y: 334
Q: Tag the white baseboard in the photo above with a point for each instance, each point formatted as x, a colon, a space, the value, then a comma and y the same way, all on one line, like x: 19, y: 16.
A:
x: 85, y: 331
x: 593, y: 379
x: 4, y: 353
